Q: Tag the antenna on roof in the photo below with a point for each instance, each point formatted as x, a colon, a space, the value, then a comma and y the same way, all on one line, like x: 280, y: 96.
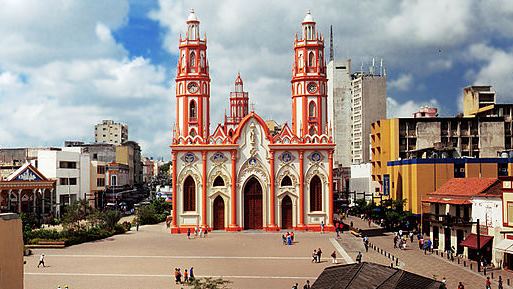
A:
x: 331, y: 43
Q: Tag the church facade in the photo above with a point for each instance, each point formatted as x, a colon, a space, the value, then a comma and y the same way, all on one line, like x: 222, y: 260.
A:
x: 240, y: 176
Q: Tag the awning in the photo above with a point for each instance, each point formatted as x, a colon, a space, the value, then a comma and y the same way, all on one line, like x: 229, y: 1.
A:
x: 505, y: 245
x: 471, y: 241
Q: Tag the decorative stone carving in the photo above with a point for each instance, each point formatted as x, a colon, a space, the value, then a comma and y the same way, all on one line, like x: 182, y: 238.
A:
x: 286, y: 157
x: 218, y: 158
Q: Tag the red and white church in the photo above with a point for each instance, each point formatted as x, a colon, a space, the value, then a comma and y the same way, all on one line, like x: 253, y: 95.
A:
x: 241, y: 177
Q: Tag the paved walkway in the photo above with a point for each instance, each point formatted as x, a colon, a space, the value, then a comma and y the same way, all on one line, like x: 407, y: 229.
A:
x: 414, y: 260
x: 145, y: 259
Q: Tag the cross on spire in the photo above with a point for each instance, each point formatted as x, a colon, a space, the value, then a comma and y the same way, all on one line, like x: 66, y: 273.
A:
x: 252, y: 107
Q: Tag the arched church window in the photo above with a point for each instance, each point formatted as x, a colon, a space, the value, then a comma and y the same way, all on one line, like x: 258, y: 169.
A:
x: 311, y: 109
x: 192, y: 59
x: 286, y: 181
x: 218, y: 182
x: 189, y: 195
x: 192, y: 109
x: 315, y: 194
x: 311, y: 59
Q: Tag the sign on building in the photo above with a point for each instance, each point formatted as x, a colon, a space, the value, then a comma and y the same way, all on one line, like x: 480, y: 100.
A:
x: 386, y: 184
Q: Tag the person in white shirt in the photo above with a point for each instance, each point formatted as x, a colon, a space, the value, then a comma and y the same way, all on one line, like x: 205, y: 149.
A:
x: 41, y: 261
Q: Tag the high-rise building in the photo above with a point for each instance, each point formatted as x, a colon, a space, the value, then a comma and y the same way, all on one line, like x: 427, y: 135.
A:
x: 369, y: 104
x: 339, y: 108
x: 110, y: 132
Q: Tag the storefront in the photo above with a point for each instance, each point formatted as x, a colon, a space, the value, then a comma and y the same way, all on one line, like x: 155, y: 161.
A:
x: 484, y: 248
x: 506, y: 248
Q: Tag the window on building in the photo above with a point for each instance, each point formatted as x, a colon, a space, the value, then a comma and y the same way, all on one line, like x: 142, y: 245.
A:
x: 503, y: 170
x: 218, y: 182
x: 189, y: 195
x: 67, y: 165
x: 192, y: 59
x: 192, y: 109
x: 286, y: 181
x: 311, y: 59
x: 113, y: 180
x: 459, y: 170
x: 510, y: 214
x: 311, y: 109
x: 100, y: 182
x: 68, y: 181
x: 100, y: 170
x: 315, y: 194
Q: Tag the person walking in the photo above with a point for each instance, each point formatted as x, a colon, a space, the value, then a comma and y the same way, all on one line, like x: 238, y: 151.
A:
x: 177, y: 279
x: 322, y: 227
x: 191, y: 274
x: 307, y: 285
x: 396, y: 238
x: 461, y: 286
x: 201, y: 232
x: 334, y: 257
x: 314, y: 256
x: 41, y: 260
x: 189, y: 233
x: 359, y: 258
x: 319, y: 254
x: 488, y: 283
x: 295, y: 286
x: 206, y: 233
x: 292, y: 236
x: 185, y: 276
x: 500, y: 283
x: 137, y: 225
x: 411, y: 237
x: 284, y: 239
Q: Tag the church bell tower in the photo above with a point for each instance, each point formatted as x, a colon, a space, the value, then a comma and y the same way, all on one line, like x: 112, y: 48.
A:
x: 193, y: 84
x: 309, y: 83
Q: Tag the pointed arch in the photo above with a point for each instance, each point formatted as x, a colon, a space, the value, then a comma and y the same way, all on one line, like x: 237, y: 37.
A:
x: 192, y: 109
x: 311, y: 59
x: 189, y: 194
x: 311, y: 109
x: 315, y: 194
x: 286, y: 181
x: 192, y: 59
x: 218, y: 182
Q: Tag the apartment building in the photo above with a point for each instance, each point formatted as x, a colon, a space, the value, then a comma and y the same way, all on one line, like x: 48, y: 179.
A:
x: 110, y: 132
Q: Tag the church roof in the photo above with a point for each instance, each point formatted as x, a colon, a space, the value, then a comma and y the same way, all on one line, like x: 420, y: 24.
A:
x: 27, y: 172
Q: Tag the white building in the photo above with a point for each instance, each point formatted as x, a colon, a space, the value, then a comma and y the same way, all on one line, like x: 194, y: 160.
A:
x: 70, y: 168
x: 361, y: 184
x: 111, y: 132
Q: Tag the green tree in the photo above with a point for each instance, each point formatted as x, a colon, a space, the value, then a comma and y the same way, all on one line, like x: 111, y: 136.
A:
x: 75, y: 213
x: 209, y: 283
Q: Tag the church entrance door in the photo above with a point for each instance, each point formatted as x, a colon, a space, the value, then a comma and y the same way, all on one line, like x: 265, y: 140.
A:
x: 286, y: 213
x: 253, y: 214
x: 218, y: 213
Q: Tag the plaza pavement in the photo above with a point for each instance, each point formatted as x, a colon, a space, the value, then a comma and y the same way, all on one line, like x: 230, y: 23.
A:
x: 147, y: 258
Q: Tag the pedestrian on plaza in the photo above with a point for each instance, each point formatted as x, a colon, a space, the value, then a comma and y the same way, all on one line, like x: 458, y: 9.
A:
x: 460, y: 286
x: 201, y: 232
x: 369, y: 222
x: 314, y: 256
x: 396, y: 238
x: 488, y: 283
x: 41, y: 260
x: 500, y: 283
x: 65, y: 286
x: 319, y: 254
x: 421, y: 243
x: 189, y: 233
x: 400, y: 233
x: 411, y: 237
x: 191, y: 274
x: 359, y: 258
x: 295, y: 286
x: 206, y: 233
x: 337, y: 230
x: 177, y: 278
x: 444, y: 282
x: 292, y: 236
x: 307, y: 285
x: 196, y: 231
x: 289, y: 239
x: 322, y: 227
x: 334, y: 257
x: 186, y: 276
x: 284, y: 239
x: 58, y: 286
x: 351, y: 224
x: 137, y: 225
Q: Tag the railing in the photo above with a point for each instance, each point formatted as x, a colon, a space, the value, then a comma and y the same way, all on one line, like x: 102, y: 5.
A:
x: 448, y: 219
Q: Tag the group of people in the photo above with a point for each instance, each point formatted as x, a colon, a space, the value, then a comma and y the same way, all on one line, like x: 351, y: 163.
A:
x: 188, y: 276
x: 316, y: 256
x: 306, y: 286
x: 288, y: 238
x: 198, y: 232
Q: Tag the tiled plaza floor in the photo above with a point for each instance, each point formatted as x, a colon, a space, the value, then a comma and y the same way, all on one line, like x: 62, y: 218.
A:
x: 146, y: 259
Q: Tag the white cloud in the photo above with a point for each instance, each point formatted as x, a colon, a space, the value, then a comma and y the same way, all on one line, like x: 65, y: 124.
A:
x: 497, y: 69
x: 406, y: 109
x: 402, y: 83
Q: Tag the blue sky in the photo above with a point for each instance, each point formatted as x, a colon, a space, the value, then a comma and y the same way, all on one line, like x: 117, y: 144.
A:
x: 66, y: 65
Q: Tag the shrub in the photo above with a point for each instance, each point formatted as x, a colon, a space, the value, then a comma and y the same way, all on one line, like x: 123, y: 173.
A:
x: 127, y: 225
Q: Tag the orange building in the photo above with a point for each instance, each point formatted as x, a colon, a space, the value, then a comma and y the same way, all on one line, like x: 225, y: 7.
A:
x: 241, y: 176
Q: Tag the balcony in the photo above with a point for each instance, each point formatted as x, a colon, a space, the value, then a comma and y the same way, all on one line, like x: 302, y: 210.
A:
x: 448, y: 220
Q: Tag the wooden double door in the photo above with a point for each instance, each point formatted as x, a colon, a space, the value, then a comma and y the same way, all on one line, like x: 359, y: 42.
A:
x: 286, y: 213
x: 253, y: 209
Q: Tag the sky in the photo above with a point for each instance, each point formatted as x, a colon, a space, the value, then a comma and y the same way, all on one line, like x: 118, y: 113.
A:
x: 67, y: 65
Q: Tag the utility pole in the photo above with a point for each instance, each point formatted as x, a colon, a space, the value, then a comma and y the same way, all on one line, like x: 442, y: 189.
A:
x: 478, y: 247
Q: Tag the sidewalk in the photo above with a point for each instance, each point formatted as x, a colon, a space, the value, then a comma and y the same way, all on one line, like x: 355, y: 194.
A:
x: 429, y: 265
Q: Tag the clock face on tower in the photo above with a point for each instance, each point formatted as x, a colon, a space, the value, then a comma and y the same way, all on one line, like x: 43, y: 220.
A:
x: 312, y: 87
x: 192, y: 87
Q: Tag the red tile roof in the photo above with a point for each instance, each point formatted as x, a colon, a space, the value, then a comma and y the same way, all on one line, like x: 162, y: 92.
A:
x: 458, y: 191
